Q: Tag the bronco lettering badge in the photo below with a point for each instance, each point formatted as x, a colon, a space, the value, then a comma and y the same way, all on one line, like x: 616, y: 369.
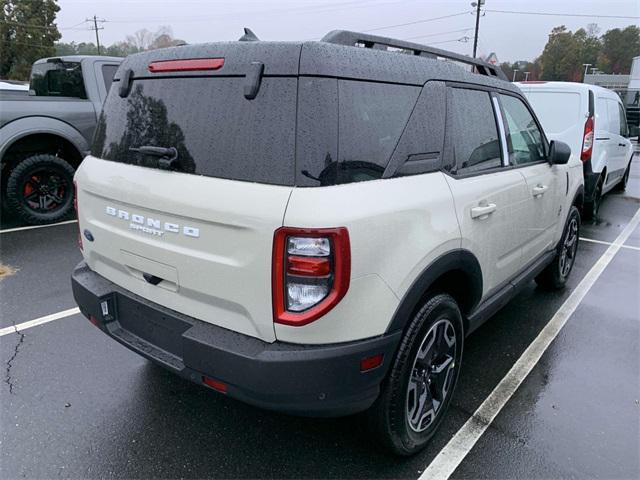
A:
x: 151, y: 226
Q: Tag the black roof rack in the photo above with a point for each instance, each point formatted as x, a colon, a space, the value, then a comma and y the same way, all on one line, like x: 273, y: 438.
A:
x: 355, y: 39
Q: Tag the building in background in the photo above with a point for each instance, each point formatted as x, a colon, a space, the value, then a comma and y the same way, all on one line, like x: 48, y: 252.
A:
x: 628, y: 87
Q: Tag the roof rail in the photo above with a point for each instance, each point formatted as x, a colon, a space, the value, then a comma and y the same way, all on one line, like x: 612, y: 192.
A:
x: 355, y: 39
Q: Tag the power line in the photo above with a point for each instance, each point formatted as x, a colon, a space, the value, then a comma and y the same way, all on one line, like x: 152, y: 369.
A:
x: 319, y: 8
x: 42, y: 27
x: 464, y: 39
x: 439, y: 33
x: 416, y: 22
x: 587, y: 15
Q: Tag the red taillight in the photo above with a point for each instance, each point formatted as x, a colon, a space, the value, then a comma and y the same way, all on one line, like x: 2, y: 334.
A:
x: 189, y: 65
x: 309, y: 266
x: 215, y: 384
x: 75, y: 206
x: 587, y: 140
x: 311, y: 272
x: 370, y: 363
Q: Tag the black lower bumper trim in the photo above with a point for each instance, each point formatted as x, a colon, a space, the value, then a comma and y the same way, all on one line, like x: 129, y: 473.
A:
x: 590, y: 181
x: 308, y: 380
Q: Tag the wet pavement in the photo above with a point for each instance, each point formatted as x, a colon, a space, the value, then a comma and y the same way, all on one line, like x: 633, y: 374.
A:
x: 77, y: 404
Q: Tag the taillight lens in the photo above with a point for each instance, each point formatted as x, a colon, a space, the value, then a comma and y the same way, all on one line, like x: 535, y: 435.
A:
x: 587, y: 140
x: 311, y: 272
x: 75, y: 206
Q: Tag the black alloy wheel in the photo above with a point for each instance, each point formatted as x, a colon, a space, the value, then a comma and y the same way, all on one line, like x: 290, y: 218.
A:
x: 432, y: 375
x: 40, y: 189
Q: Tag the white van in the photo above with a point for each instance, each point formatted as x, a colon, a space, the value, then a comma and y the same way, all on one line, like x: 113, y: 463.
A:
x: 592, y: 121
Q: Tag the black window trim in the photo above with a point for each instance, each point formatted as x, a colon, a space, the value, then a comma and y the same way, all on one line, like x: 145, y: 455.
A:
x: 447, y: 133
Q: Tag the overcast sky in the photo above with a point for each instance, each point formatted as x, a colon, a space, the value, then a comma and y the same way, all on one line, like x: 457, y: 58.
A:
x: 511, y: 36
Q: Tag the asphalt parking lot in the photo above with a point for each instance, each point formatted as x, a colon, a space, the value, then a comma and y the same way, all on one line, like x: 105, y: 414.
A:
x: 77, y: 404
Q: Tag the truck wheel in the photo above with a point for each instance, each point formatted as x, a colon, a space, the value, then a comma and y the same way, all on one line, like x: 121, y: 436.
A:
x: 40, y: 189
x: 555, y: 276
x: 418, y: 389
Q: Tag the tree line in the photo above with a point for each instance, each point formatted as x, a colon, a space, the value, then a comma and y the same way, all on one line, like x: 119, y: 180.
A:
x: 566, y: 53
x: 28, y: 32
x: 138, y: 42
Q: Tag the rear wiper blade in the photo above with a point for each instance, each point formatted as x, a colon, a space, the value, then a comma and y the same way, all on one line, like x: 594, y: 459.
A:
x: 168, y: 155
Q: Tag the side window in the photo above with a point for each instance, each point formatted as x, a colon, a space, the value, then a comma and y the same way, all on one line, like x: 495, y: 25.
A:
x: 524, y: 139
x: 371, y: 119
x: 614, y: 117
x: 57, y: 79
x: 624, y: 129
x: 602, y: 116
x: 108, y: 71
x: 472, y: 131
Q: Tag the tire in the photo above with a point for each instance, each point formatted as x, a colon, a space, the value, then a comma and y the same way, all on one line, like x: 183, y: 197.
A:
x: 396, y: 417
x: 555, y: 276
x: 40, y: 189
x: 621, y: 186
x: 590, y: 210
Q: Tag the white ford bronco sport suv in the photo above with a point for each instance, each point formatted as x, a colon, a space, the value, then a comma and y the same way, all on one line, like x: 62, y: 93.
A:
x: 314, y: 227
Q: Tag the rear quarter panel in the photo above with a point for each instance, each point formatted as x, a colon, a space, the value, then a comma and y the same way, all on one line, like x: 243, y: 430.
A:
x: 397, y: 227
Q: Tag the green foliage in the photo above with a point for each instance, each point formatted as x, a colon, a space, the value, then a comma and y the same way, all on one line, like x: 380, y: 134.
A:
x: 27, y: 33
x: 566, y: 52
x: 118, y: 49
x: 618, y: 49
x: 141, y: 40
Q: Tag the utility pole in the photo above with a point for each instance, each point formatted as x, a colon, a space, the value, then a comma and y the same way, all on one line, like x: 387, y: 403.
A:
x: 95, y: 27
x: 478, y: 4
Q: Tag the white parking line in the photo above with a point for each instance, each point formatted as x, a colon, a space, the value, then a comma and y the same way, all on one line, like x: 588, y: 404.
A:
x: 38, y: 321
x: 32, y: 227
x: 601, y: 242
x: 448, y: 459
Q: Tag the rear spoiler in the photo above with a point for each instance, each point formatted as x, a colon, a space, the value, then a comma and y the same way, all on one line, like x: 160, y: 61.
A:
x: 355, y: 39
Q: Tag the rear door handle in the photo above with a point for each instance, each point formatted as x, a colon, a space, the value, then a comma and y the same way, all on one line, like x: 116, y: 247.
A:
x: 622, y: 144
x: 483, y: 211
x: 539, y: 190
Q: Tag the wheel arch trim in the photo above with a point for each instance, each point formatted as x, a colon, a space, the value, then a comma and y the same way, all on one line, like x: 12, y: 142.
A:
x: 459, y: 260
x: 24, y: 127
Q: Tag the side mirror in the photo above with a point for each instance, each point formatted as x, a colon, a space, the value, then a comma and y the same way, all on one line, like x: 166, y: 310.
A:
x: 559, y: 152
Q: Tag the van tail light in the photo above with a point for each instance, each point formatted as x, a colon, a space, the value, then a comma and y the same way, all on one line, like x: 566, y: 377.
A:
x: 311, y: 272
x: 75, y: 207
x: 587, y: 140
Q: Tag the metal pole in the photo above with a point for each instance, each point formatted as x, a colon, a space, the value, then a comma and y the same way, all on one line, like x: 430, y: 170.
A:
x: 515, y: 70
x: 475, y: 39
x: 586, y: 67
x: 95, y: 26
x: 526, y: 76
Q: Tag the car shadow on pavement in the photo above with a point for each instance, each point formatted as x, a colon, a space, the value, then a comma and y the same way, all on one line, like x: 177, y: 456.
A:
x: 179, y: 429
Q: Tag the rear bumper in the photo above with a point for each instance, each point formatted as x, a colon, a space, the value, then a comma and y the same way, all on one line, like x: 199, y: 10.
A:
x: 299, y: 379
